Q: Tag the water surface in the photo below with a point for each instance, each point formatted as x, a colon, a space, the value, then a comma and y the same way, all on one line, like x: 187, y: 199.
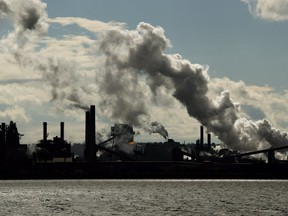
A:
x: 144, y: 197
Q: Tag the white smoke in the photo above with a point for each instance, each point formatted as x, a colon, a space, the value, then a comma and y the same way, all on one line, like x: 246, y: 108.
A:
x: 141, y: 52
x: 156, y: 127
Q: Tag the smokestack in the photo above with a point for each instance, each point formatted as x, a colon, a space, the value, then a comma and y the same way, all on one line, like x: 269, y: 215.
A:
x: 209, y: 140
x: 90, y: 135
x: 93, y: 148
x: 62, y: 131
x: 92, y: 125
x: 87, y: 135
x: 201, y: 136
x: 44, y: 131
x: 197, y: 149
x: 87, y: 127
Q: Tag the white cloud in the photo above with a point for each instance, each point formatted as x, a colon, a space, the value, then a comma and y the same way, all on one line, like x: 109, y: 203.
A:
x: 71, y: 47
x: 275, y: 10
x: 90, y: 25
x: 15, y: 113
x: 11, y: 70
x: 23, y: 94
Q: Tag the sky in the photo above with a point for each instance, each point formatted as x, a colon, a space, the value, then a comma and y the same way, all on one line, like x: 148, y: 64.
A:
x: 53, y: 69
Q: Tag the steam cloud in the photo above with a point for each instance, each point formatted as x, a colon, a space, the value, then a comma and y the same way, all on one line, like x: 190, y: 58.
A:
x: 141, y: 51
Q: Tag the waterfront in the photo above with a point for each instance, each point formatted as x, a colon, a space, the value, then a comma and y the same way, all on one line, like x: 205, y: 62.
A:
x: 143, y: 197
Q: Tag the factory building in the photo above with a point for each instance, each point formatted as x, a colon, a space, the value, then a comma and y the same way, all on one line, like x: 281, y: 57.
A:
x: 53, y: 150
x: 11, y: 151
x: 121, y: 156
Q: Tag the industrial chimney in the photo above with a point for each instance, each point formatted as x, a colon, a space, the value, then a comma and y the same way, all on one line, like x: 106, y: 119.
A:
x: 93, y: 125
x: 90, y: 135
x: 62, y: 131
x: 201, y: 137
x: 44, y: 132
x: 208, y: 141
x: 87, y: 127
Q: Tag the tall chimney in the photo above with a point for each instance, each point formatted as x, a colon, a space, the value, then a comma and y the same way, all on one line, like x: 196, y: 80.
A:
x: 87, y: 135
x: 87, y: 127
x: 93, y: 125
x: 209, y: 140
x: 62, y: 131
x: 201, y: 136
x: 44, y: 131
x: 90, y: 135
x: 93, y: 132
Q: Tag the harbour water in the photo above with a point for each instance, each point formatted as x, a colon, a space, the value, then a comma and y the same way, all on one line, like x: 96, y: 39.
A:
x: 144, y: 197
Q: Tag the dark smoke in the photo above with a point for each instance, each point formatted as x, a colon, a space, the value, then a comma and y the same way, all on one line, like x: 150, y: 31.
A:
x: 274, y: 136
x: 141, y: 52
x: 29, y: 19
x: 80, y: 106
x: 26, y: 14
x: 124, y: 97
x: 4, y: 9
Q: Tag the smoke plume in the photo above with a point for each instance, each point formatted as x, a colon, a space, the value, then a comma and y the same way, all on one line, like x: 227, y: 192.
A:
x: 128, y: 100
x: 135, y: 70
x: 140, y: 52
x: 64, y: 81
x: 29, y: 18
x: 156, y: 127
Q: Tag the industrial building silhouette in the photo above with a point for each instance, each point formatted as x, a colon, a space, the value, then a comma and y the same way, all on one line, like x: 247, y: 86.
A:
x: 53, y: 158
